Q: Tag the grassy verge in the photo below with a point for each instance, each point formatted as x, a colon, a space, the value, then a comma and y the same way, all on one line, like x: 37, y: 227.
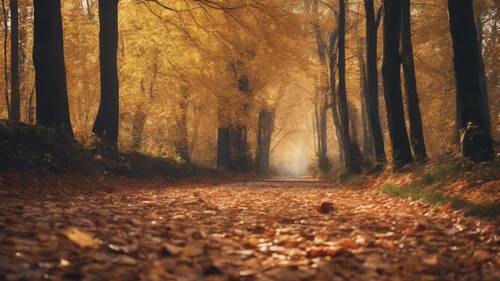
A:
x: 437, y: 198
x: 433, y: 180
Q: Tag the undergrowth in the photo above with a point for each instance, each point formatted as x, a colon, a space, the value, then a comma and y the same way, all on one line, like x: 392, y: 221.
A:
x: 434, y: 177
x: 27, y: 148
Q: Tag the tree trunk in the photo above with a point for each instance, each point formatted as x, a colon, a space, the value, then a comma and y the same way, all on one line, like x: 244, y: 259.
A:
x: 138, y: 123
x: 5, y: 61
x: 333, y: 92
x: 15, y: 104
x: 349, y: 149
x: 106, y: 125
x: 471, y: 97
x: 372, y: 104
x: 322, y: 99
x: 223, y: 149
x: 392, y: 85
x: 25, y: 87
x: 264, y: 134
x: 410, y: 83
x: 52, y: 107
x: 182, y: 142
x: 368, y: 150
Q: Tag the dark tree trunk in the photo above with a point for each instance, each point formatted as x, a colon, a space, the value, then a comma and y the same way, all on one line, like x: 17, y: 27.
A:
x: 368, y: 150
x: 414, y: 116
x: 332, y: 38
x: 392, y: 85
x: 106, y: 125
x: 224, y: 149
x: 349, y: 148
x: 15, y: 104
x: 264, y: 134
x: 372, y: 104
x: 52, y: 107
x: 471, y: 98
x: 239, y: 149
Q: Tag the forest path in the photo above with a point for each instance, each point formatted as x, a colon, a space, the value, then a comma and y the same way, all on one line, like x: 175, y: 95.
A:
x: 237, y: 231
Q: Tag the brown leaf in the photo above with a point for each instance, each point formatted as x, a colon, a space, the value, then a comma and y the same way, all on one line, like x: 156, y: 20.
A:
x: 194, y: 249
x: 171, y: 250
x: 80, y: 238
x: 430, y: 260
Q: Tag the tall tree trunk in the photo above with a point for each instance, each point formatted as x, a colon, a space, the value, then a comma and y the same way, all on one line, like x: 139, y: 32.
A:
x: 372, y: 104
x: 368, y: 149
x: 52, y: 107
x: 15, y: 104
x: 24, y: 83
x: 182, y: 141
x: 392, y: 85
x: 349, y: 150
x: 321, y: 97
x: 414, y: 116
x: 106, y: 125
x: 5, y: 61
x: 332, y: 38
x: 472, y: 98
x: 224, y: 149
x: 264, y: 134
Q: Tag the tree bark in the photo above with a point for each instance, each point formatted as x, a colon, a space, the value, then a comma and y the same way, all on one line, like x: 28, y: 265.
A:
x: 350, y: 162
x: 52, y: 107
x: 332, y: 38
x: 392, y: 85
x: 368, y: 149
x: 372, y: 103
x: 15, y: 104
x: 471, y: 96
x: 410, y: 83
x: 5, y: 23
x: 106, y: 125
x: 264, y: 134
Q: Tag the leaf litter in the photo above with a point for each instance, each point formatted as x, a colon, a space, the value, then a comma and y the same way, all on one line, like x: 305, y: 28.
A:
x: 251, y: 231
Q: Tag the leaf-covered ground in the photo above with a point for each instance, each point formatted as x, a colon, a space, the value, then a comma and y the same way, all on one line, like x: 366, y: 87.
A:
x: 123, y: 230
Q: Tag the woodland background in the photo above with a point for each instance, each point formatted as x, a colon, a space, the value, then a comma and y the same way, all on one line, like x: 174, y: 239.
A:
x: 175, y: 73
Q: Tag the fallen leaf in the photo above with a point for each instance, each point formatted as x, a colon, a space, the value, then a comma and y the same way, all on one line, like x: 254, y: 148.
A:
x: 194, y: 249
x: 125, y: 260
x: 430, y: 260
x: 171, y: 250
x: 80, y: 238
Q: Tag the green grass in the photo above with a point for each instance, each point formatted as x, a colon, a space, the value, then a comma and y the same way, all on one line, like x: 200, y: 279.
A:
x: 433, y: 196
x: 435, y: 177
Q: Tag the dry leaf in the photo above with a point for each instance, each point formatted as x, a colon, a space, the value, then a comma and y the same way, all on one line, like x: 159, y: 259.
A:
x: 430, y: 260
x: 80, y: 238
x: 194, y: 249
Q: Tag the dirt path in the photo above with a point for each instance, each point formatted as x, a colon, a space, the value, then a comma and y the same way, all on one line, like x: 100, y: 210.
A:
x: 240, y: 231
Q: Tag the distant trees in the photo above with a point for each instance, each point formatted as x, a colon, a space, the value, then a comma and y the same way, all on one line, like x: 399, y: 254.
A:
x: 107, y: 121
x: 471, y: 97
x: 50, y: 71
x: 392, y: 85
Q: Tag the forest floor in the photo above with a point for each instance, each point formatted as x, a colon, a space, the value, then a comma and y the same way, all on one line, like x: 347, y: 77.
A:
x: 77, y: 228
